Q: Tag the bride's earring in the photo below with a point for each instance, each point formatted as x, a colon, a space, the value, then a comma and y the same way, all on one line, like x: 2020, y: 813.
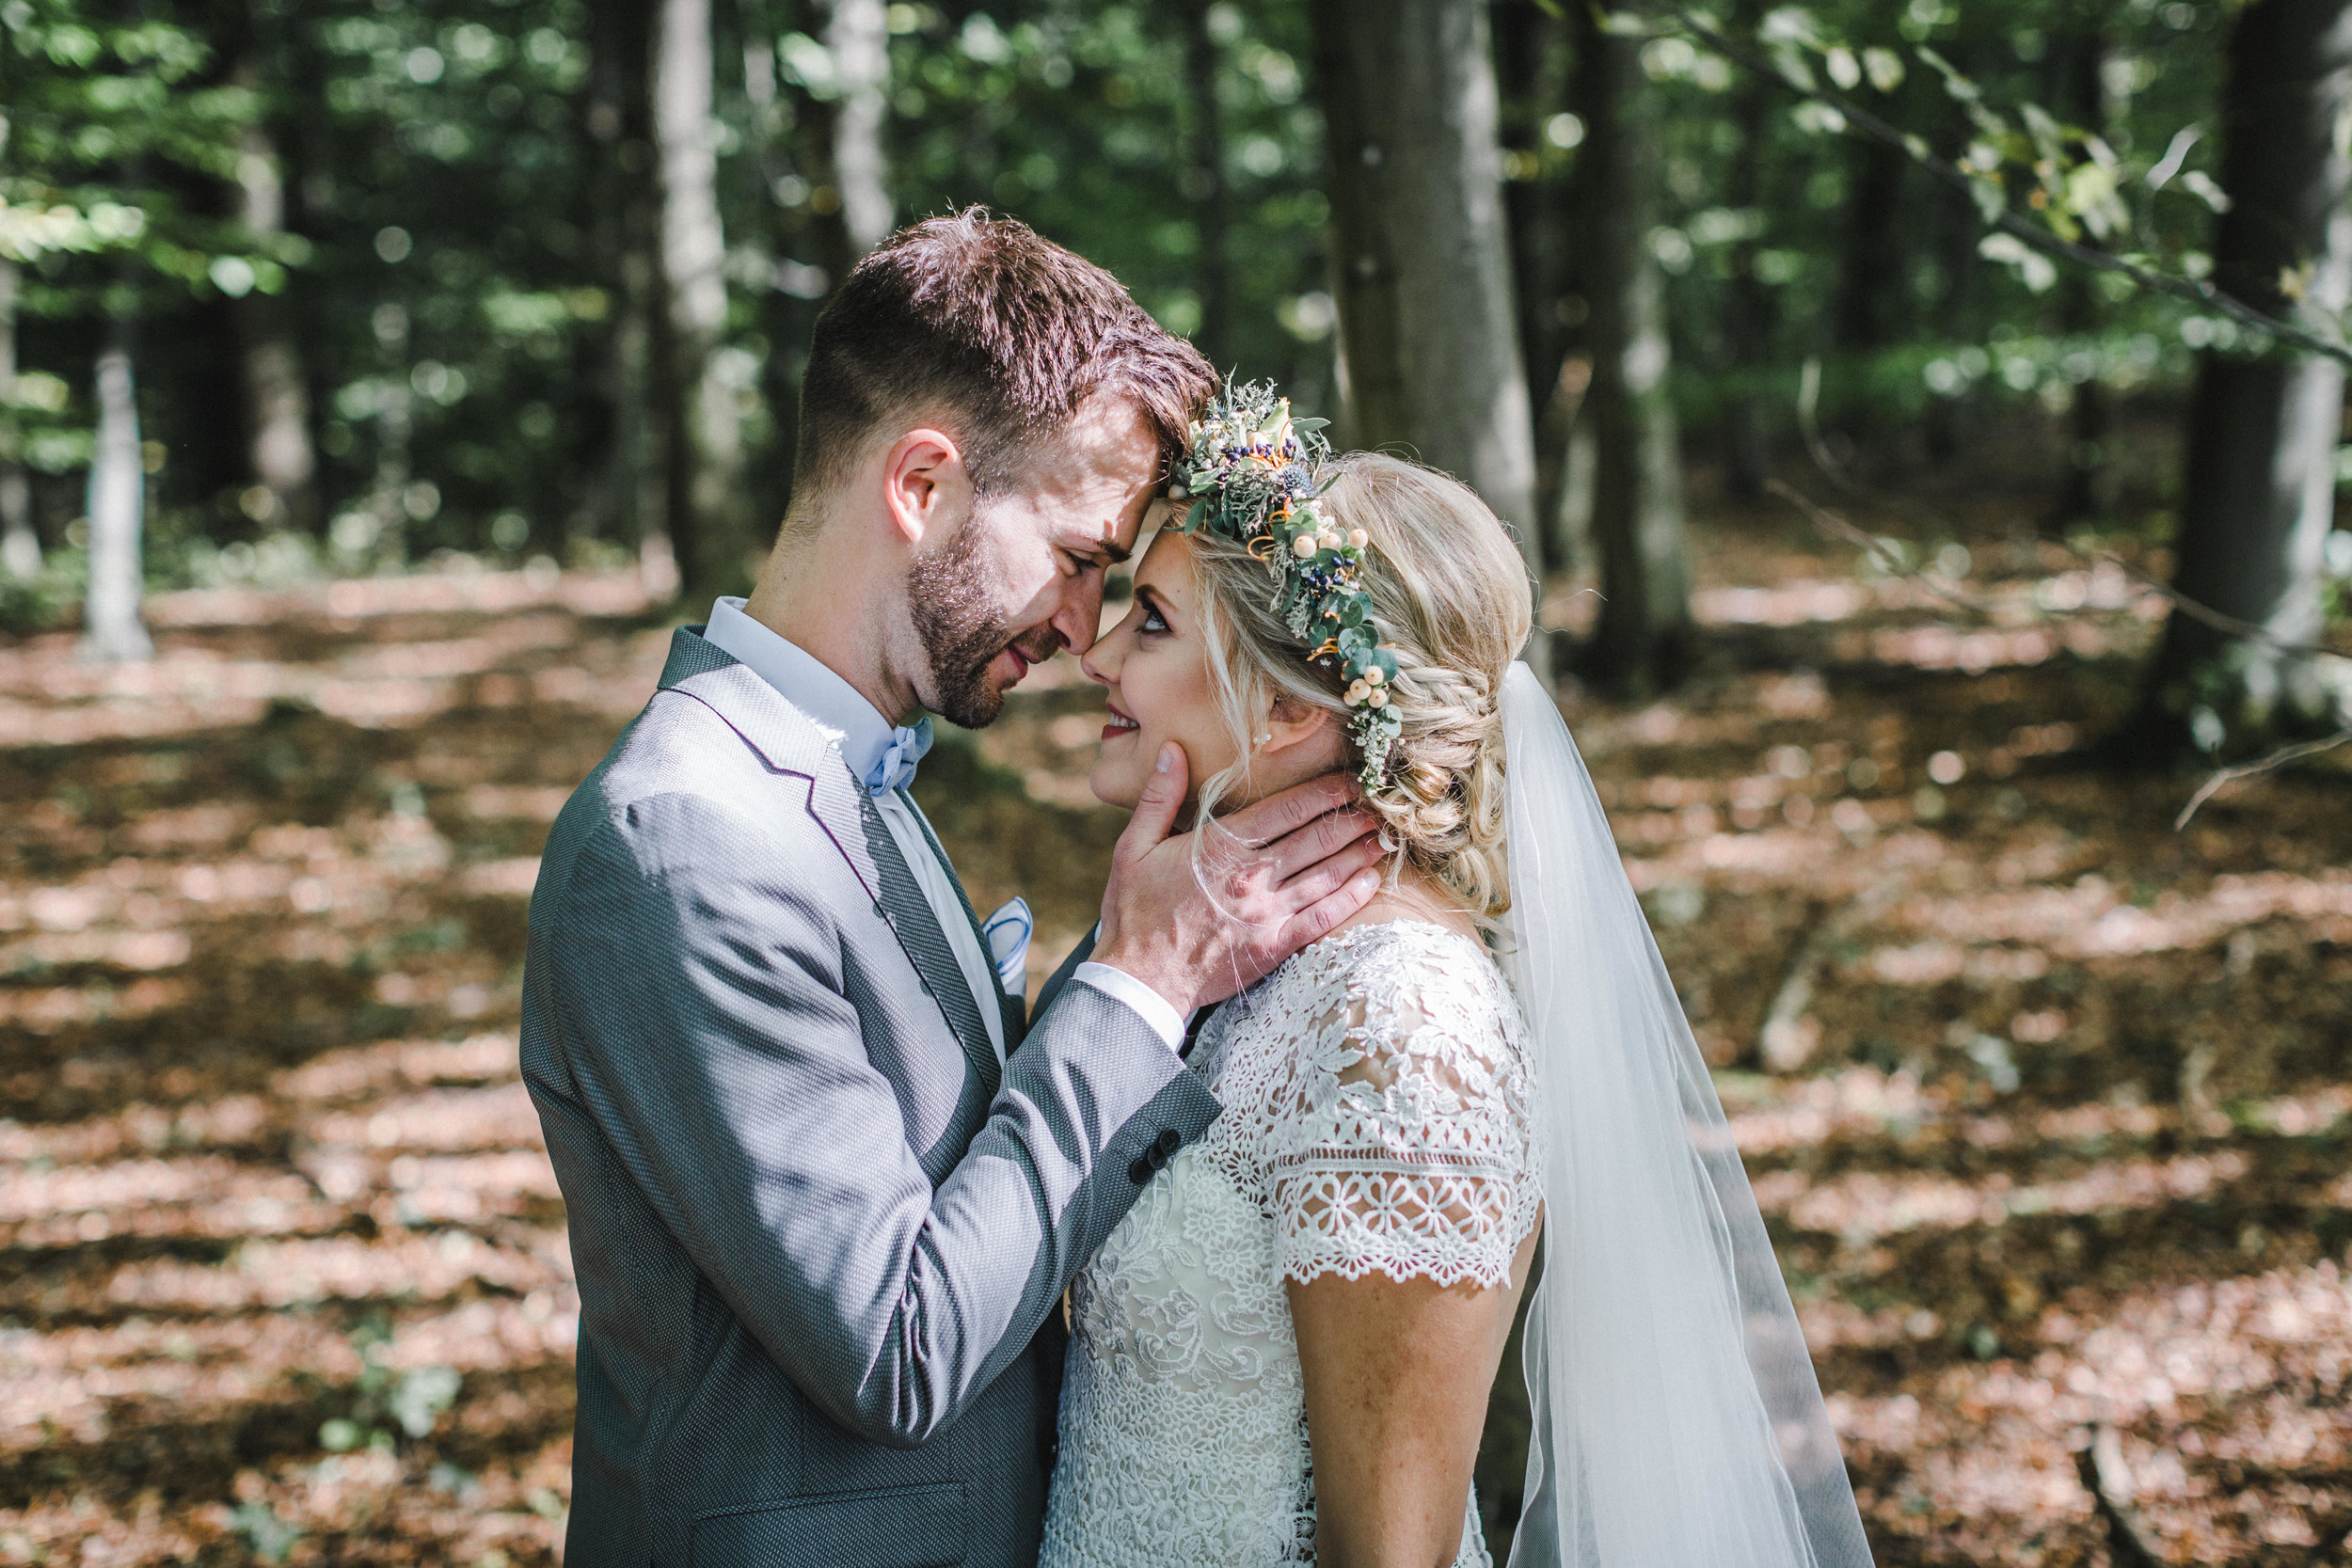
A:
x: 1260, y: 741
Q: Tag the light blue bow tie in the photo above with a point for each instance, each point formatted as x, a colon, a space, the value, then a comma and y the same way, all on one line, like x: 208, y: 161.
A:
x: 895, y: 768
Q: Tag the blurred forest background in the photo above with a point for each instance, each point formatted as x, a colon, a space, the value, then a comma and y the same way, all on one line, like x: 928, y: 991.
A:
x: 1926, y: 422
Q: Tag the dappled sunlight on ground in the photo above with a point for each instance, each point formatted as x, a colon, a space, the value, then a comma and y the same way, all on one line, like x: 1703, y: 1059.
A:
x: 2047, y: 1106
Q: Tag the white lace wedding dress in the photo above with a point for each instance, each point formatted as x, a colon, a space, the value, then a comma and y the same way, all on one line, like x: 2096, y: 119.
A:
x: 1376, y: 1117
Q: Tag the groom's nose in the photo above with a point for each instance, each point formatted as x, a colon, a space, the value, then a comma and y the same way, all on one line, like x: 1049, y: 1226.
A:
x: 1079, y: 620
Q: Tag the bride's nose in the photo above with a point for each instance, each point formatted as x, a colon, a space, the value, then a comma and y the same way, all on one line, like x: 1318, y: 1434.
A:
x: 1100, y: 662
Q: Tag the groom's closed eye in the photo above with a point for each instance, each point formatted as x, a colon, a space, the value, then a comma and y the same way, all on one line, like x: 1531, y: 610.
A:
x: 1102, y: 557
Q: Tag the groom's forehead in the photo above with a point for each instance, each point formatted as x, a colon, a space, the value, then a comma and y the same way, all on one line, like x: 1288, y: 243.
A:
x: 1113, y: 430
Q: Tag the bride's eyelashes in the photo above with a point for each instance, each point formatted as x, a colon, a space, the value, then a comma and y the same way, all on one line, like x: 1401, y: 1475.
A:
x: 1154, y: 621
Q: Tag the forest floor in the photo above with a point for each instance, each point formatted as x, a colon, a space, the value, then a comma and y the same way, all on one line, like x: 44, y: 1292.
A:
x: 2048, y: 1104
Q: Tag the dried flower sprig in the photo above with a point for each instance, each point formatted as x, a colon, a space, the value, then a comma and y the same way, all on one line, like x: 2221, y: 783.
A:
x: 1253, y: 475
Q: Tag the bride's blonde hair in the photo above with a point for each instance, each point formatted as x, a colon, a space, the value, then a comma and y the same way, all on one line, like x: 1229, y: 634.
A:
x: 1450, y: 599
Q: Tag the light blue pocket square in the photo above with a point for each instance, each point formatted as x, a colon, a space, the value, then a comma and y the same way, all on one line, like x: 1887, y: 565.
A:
x: 1007, y: 933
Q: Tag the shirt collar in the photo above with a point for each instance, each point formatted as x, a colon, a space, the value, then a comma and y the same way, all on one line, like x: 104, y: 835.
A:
x: 835, y: 707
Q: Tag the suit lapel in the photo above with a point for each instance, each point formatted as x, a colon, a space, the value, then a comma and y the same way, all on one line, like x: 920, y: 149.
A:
x: 1009, y: 1008
x: 918, y: 930
x: 789, y: 742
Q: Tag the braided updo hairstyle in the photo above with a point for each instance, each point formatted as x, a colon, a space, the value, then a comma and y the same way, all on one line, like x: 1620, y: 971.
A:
x: 1449, y: 597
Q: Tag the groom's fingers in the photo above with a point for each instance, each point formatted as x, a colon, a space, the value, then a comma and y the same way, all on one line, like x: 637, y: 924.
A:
x: 1327, y: 875
x: 1326, y: 914
x: 1155, y: 808
x: 1276, y: 816
x: 1319, y: 840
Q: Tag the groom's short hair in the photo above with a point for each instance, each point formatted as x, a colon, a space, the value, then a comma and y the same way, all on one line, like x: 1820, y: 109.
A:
x: 1001, y: 330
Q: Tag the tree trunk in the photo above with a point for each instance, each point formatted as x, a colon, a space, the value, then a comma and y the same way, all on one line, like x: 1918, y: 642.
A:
x: 1529, y: 78
x: 1204, y: 184
x: 709, y: 524
x: 1747, y: 303
x: 2262, y: 429
x: 1644, y: 639
x: 1871, y: 276
x: 388, y: 502
x: 2087, y: 489
x: 19, y: 547
x: 1958, y: 228
x: 1422, y: 268
x: 278, y: 399
x: 858, y: 38
x: 633, y: 492
x: 111, y: 631
x: 1529, y: 59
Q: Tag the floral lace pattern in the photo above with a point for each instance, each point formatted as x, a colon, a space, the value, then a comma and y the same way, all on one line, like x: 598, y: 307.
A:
x: 1376, y: 1118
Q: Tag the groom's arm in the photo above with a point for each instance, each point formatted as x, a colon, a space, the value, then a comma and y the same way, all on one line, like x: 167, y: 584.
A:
x: 707, y: 1019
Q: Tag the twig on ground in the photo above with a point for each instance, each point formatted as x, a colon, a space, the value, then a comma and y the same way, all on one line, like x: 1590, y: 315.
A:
x: 1783, y: 1043
x: 2277, y: 759
x: 2008, y: 220
x: 2130, y: 1543
x: 1838, y: 528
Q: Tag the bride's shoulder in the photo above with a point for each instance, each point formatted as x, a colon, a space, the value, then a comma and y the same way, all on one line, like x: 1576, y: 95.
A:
x: 1393, y: 947
x: 1382, y: 983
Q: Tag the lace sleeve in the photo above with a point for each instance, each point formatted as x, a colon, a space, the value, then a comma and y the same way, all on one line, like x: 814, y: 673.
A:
x: 1401, y: 1141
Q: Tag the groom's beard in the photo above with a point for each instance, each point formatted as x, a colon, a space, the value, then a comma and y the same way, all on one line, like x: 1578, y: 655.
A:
x: 961, y: 635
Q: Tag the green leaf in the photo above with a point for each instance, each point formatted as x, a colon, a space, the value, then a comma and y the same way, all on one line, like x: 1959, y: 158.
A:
x: 1991, y: 199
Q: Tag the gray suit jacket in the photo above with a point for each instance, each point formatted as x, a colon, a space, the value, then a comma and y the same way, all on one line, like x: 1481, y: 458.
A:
x: 815, y: 1239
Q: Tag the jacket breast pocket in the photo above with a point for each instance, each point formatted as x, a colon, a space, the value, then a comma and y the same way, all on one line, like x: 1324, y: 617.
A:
x: 891, y: 1527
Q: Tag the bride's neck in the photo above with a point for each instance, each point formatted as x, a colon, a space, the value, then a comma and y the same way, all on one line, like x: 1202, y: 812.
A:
x: 1414, y: 894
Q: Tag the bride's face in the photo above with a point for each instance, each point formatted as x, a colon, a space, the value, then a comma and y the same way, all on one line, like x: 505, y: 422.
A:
x: 1155, y: 666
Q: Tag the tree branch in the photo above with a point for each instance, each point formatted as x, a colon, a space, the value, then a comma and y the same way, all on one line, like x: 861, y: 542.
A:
x: 2009, y: 220
x: 1808, y: 425
x: 2276, y: 760
x: 1831, y: 523
x: 2226, y: 623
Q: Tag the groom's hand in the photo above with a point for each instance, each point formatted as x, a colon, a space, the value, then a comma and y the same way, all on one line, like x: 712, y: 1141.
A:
x: 1198, y: 921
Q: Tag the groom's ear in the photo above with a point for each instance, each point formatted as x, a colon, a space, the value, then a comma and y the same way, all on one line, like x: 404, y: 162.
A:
x: 926, y: 490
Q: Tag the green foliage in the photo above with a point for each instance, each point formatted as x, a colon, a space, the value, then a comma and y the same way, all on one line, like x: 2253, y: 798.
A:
x: 1890, y: 272
x: 385, y: 1404
x: 459, y: 175
x: 105, y: 116
x: 264, y: 1534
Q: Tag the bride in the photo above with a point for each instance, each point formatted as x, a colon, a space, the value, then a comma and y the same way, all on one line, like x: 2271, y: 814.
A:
x: 1283, y: 1353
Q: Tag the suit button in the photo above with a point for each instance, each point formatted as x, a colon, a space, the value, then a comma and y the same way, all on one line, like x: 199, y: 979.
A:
x: 1141, y: 1172
x: 1169, y: 1141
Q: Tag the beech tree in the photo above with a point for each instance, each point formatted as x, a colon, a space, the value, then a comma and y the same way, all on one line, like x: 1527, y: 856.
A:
x: 277, y: 392
x: 2263, y: 427
x: 111, y: 631
x: 1420, y: 260
x: 20, y: 545
x: 858, y: 39
x: 708, y: 509
x: 1644, y: 637
x: 104, y: 118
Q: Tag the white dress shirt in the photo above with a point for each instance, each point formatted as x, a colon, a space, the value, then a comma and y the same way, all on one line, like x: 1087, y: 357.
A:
x: 861, y: 735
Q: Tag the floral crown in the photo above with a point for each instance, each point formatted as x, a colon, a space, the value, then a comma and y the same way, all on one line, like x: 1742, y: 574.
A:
x: 1253, y: 476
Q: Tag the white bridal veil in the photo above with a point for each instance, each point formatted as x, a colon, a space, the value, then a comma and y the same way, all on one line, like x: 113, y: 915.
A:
x: 1676, y: 1420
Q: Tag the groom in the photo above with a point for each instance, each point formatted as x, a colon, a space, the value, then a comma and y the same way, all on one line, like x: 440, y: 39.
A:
x: 826, y: 1182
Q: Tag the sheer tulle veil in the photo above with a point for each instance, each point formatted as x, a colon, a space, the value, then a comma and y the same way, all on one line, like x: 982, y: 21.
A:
x: 1677, y: 1421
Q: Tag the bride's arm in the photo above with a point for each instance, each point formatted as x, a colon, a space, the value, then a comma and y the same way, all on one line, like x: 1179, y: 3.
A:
x: 1397, y: 1373
x: 1399, y: 1156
